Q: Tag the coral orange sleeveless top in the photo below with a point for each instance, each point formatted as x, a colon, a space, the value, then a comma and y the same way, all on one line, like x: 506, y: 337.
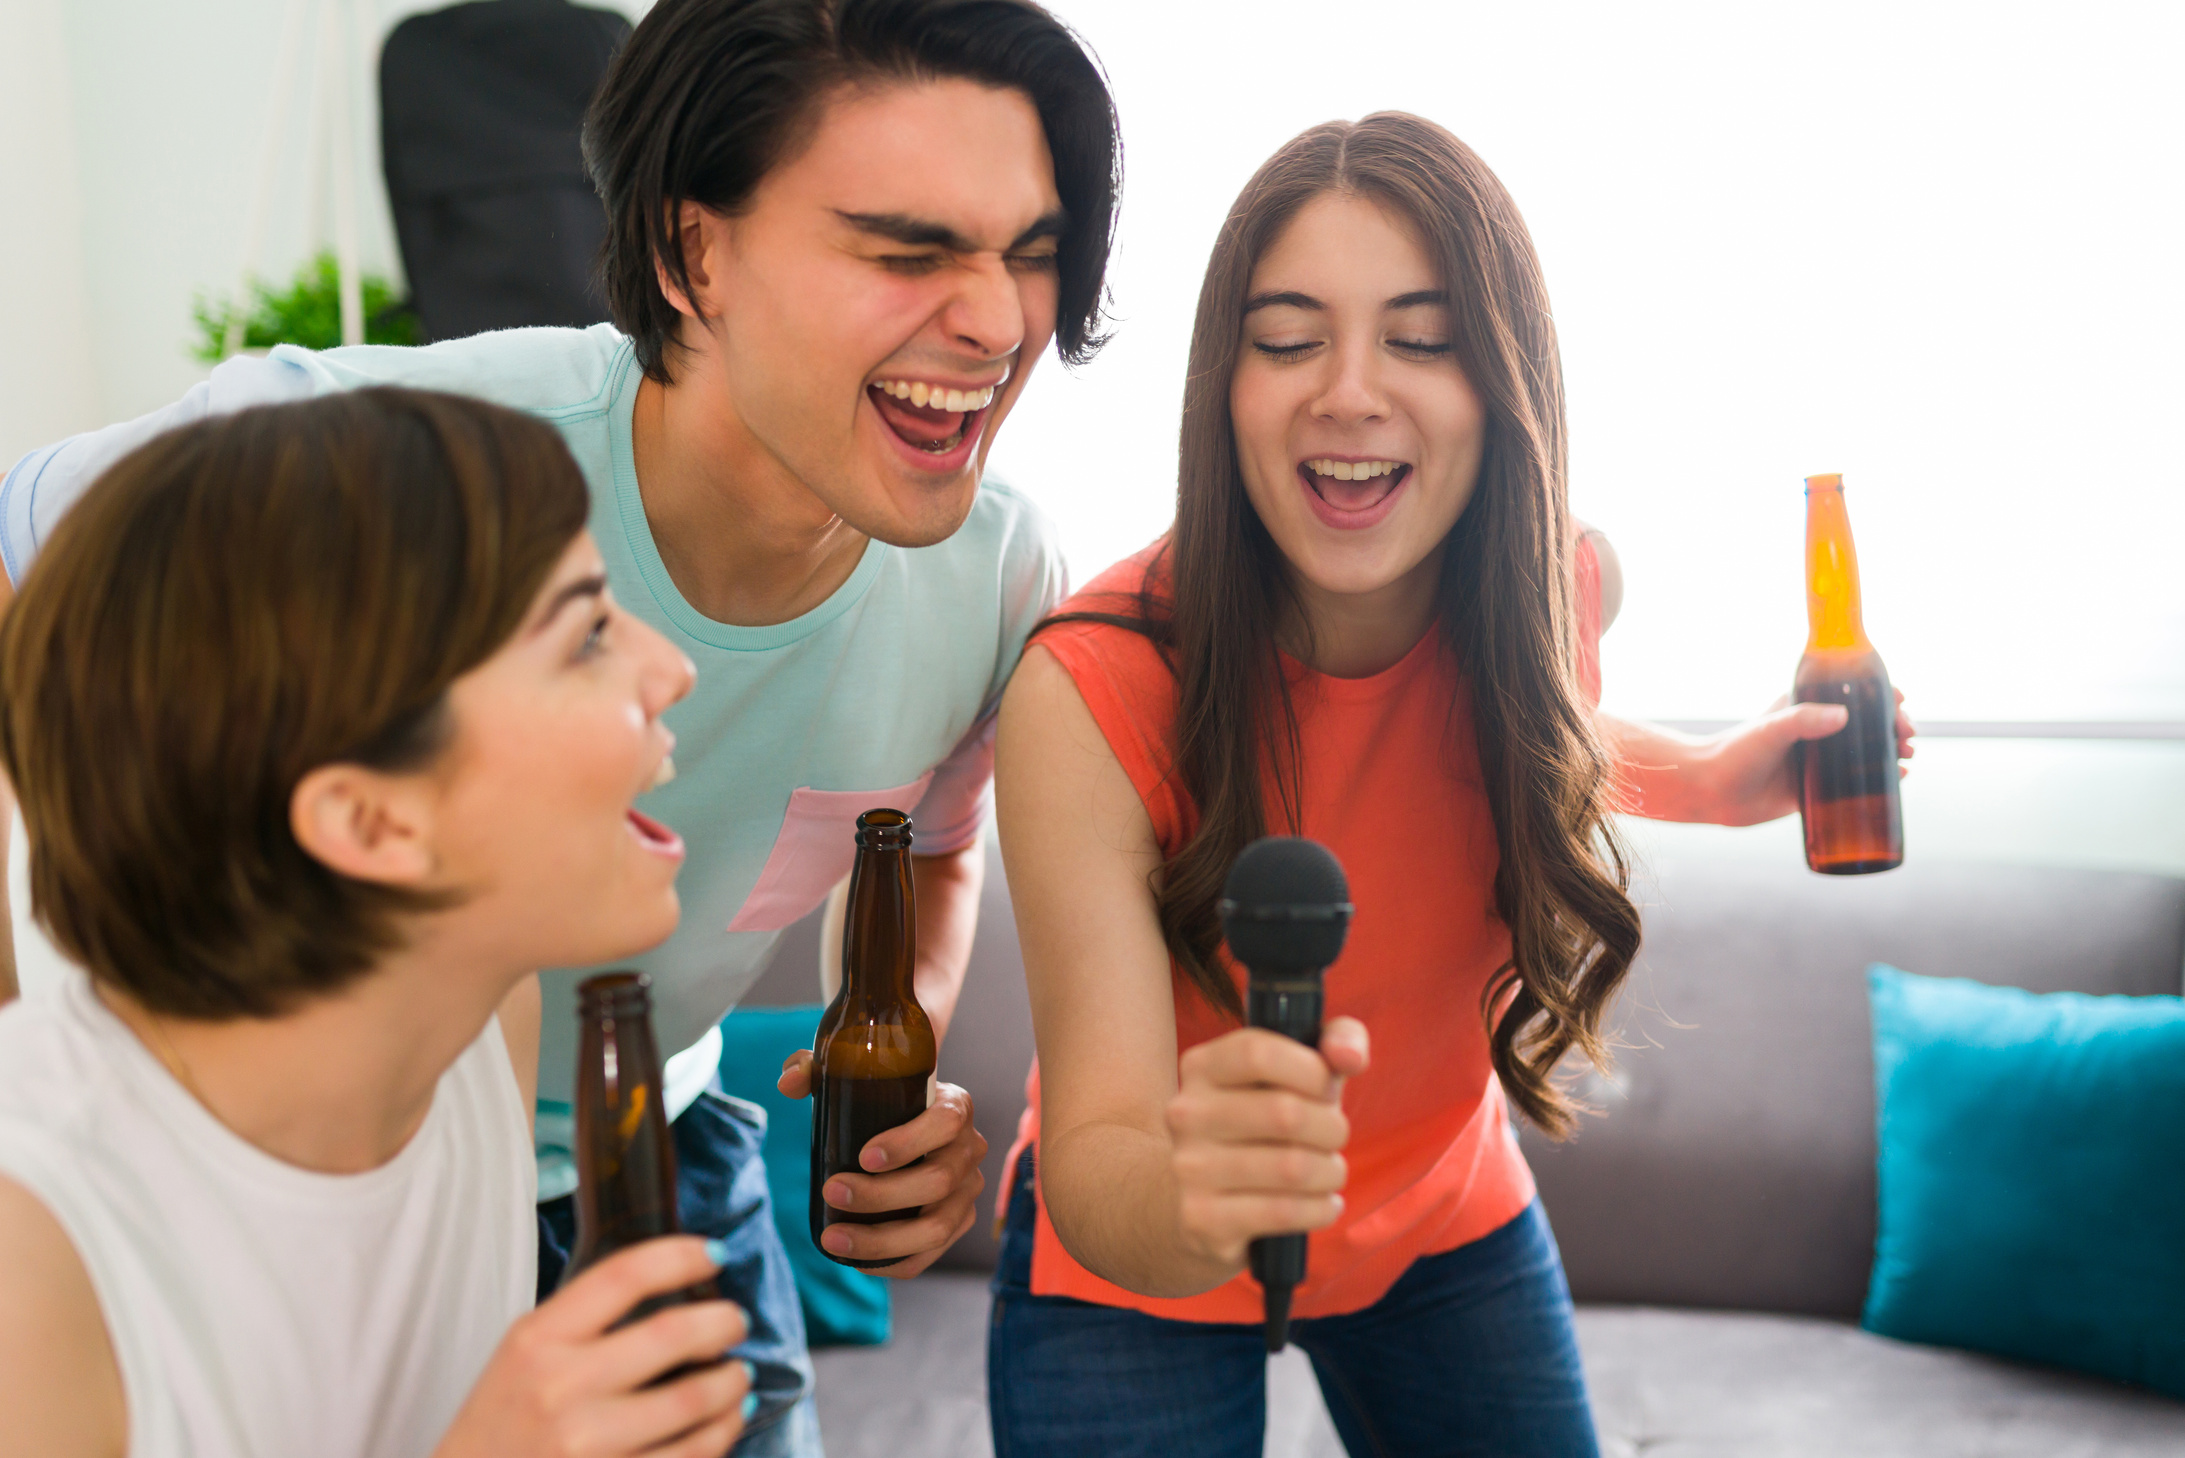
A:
x: 1391, y: 784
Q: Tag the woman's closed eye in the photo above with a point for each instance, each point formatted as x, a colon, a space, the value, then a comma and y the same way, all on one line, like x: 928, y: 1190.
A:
x: 1284, y: 349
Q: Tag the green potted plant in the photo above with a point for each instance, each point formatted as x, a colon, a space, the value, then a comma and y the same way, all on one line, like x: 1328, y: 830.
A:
x: 307, y: 313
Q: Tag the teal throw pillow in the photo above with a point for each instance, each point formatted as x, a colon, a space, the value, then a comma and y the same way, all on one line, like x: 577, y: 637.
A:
x: 2032, y: 1175
x: 842, y: 1306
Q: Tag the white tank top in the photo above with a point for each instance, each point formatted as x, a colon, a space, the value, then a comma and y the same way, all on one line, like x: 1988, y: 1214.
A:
x: 258, y: 1310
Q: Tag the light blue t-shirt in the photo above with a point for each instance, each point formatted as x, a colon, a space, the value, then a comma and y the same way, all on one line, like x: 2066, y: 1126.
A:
x: 882, y: 695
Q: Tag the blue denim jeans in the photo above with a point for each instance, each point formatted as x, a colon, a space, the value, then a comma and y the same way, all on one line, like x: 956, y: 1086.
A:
x: 721, y: 1192
x: 1470, y: 1352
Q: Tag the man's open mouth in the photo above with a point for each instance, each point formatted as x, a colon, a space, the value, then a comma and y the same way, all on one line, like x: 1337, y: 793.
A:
x: 930, y: 417
x: 1352, y: 485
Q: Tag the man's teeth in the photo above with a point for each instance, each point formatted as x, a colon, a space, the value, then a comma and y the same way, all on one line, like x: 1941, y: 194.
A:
x: 937, y: 397
x: 1353, y: 470
x: 664, y: 773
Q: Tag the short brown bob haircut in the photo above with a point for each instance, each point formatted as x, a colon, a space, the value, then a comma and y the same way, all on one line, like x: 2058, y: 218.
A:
x: 231, y: 606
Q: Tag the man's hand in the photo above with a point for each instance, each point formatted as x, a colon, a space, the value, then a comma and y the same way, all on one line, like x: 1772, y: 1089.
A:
x: 1257, y: 1133
x: 943, y: 1187
x: 565, y: 1382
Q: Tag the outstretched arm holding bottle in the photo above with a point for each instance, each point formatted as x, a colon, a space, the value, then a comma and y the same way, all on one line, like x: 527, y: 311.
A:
x: 1742, y: 776
x: 1830, y: 754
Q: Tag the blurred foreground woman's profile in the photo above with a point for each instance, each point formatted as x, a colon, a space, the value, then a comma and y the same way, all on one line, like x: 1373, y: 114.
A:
x: 327, y: 733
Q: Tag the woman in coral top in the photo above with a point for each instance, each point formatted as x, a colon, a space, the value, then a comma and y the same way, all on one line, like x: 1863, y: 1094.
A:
x: 1374, y: 623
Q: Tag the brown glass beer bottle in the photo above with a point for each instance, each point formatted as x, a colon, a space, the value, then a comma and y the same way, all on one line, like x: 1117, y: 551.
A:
x: 873, y: 1056
x: 625, y: 1158
x: 1848, y: 796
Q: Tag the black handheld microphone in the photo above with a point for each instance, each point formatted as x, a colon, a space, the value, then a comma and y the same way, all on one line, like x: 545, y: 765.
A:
x: 1285, y: 910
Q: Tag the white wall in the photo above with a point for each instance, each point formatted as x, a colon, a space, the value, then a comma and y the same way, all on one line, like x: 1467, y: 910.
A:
x: 130, y: 135
x: 1929, y: 244
x: 47, y: 386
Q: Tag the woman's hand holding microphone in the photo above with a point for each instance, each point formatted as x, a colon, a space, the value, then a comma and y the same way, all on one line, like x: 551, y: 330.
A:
x: 1257, y: 1133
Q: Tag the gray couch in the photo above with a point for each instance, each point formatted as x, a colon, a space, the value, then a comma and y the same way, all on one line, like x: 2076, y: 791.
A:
x: 1716, y: 1221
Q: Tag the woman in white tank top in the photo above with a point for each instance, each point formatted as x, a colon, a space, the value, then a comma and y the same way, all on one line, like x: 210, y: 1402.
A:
x: 327, y: 733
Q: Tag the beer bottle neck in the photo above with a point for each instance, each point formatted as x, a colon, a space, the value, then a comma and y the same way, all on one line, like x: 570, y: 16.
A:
x: 1832, y: 575
x: 879, y: 938
x: 626, y: 1164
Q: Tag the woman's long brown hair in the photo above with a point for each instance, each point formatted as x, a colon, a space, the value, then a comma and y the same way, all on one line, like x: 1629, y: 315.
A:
x: 1505, y: 602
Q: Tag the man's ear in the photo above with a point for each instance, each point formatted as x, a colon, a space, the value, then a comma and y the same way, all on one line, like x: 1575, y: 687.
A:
x: 697, y: 229
x: 365, y: 825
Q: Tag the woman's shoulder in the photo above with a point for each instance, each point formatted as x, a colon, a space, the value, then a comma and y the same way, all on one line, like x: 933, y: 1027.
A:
x: 1135, y: 588
x: 65, y: 1387
x: 1110, y: 635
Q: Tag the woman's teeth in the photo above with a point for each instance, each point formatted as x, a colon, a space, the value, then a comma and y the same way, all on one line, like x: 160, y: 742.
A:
x: 664, y: 773
x: 936, y: 397
x: 1353, y: 470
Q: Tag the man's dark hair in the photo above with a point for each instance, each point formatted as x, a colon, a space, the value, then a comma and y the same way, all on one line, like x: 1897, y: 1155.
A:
x: 709, y: 95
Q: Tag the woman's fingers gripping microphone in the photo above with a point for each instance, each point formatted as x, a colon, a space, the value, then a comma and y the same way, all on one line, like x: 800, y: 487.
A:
x: 1347, y: 1048
x: 1257, y: 1058
x: 1257, y: 1131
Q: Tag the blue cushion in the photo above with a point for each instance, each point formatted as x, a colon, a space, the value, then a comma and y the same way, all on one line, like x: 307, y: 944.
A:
x: 2032, y: 1175
x: 842, y: 1306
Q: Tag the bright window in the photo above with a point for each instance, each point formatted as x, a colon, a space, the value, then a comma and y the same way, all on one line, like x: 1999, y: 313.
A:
x: 1934, y: 247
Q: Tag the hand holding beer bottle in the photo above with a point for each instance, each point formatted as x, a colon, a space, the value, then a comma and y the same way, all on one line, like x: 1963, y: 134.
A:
x: 627, y: 1357
x: 1833, y: 748
x: 575, y: 1375
x: 873, y: 1055
x: 895, y: 1174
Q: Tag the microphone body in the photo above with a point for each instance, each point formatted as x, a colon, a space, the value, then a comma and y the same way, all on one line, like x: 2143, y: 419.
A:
x: 1285, y: 912
x: 1290, y: 1004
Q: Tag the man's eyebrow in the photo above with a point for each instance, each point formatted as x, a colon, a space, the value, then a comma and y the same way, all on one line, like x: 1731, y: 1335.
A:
x: 1048, y: 225
x: 1287, y: 299
x: 1417, y: 299
x: 592, y: 586
x: 909, y: 231
x: 925, y: 233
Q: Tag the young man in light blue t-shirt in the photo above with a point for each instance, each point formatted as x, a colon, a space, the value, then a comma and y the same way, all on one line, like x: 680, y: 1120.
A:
x: 841, y: 232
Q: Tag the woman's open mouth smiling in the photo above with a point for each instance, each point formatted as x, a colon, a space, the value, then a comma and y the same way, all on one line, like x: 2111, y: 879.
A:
x: 650, y: 833
x: 654, y: 836
x: 1351, y: 495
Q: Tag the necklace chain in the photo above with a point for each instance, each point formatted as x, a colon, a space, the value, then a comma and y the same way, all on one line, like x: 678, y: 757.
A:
x: 179, y: 1065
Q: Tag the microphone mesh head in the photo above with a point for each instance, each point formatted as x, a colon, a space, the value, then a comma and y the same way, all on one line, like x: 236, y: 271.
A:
x: 1270, y: 901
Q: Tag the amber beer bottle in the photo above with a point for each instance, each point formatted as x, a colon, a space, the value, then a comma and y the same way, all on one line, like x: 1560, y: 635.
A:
x: 1847, y: 782
x: 625, y: 1158
x: 873, y: 1056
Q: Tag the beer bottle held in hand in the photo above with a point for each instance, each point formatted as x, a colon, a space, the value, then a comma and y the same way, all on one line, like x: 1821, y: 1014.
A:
x: 1847, y: 796
x: 873, y: 1056
x: 625, y: 1158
